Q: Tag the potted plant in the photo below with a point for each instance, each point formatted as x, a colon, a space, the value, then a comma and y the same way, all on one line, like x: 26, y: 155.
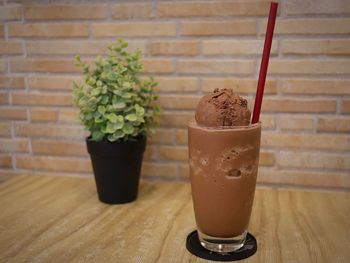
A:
x: 119, y: 111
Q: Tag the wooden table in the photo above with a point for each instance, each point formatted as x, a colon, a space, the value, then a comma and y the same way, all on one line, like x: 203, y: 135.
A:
x: 59, y: 219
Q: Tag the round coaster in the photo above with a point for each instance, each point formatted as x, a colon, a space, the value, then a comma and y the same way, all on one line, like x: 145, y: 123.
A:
x: 194, y: 246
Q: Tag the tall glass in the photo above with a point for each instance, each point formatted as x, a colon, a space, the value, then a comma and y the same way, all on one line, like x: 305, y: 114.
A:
x: 223, y: 170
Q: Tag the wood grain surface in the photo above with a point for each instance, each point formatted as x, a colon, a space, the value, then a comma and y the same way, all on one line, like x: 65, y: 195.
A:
x: 59, y: 219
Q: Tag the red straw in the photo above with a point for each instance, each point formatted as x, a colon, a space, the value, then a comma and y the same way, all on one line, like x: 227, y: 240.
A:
x: 264, y: 62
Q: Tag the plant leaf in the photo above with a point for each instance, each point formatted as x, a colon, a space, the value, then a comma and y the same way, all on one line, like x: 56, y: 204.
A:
x: 110, y: 128
x: 101, y: 109
x: 97, y: 135
x: 139, y: 110
x: 113, y: 89
x: 105, y: 99
x: 115, y: 136
x: 98, y: 120
x: 95, y: 92
x: 131, y: 117
x: 112, y: 117
x: 126, y: 84
x: 128, y: 128
x: 119, y: 105
x: 89, y: 116
x: 126, y: 95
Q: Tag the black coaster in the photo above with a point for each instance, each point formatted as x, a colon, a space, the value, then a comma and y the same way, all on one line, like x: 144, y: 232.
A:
x: 194, y: 246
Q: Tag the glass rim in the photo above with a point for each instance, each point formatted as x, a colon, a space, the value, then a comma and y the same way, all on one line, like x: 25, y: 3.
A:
x: 193, y: 124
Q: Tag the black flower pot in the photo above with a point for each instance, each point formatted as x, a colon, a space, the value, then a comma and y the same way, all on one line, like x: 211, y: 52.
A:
x: 117, y: 167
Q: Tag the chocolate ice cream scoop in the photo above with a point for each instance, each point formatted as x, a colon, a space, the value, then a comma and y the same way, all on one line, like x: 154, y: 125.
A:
x: 222, y: 107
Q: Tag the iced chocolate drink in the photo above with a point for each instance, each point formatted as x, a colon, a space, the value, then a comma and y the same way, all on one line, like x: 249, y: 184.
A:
x: 224, y: 156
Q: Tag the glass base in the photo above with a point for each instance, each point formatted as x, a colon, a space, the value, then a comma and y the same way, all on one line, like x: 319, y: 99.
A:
x: 222, y: 245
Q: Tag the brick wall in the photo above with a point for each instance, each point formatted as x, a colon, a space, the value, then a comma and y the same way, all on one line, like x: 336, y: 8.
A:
x: 191, y: 47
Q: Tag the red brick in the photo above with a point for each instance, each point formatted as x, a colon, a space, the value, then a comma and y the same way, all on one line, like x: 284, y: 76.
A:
x: 298, y: 105
x: 291, y: 122
x: 177, y: 84
x: 345, y: 106
x: 305, y: 109
x: 173, y: 153
x: 65, y: 12
x: 306, y: 26
x: 267, y: 121
x: 2, y: 32
x: 133, y: 29
x: 181, y: 136
x: 317, y: 87
x: 13, y: 114
x: 52, y: 82
x: 62, y: 148
x: 43, y: 65
x: 48, y: 30
x: 134, y: 10
x: 316, y: 47
x: 216, y: 66
x: 178, y: 47
x: 333, y: 124
x: 162, y: 136
x: 266, y: 158
x: 151, y: 153
x: 219, y: 8
x: 187, y: 102
x: 43, y: 115
x: 14, y: 145
x: 54, y: 99
x: 314, y: 160
x: 11, y: 48
x: 50, y: 131
x: 218, y: 28
x: 305, y: 141
x: 184, y: 171
x: 7, y: 82
x: 3, y: 65
x: 4, y: 98
x: 5, y: 161
x: 158, y: 65
x: 77, y: 47
x: 5, y: 129
x: 308, y: 7
x: 10, y: 12
x: 68, y: 116
x: 240, y: 86
x: 176, y: 119
x: 235, y: 47
x: 309, y: 66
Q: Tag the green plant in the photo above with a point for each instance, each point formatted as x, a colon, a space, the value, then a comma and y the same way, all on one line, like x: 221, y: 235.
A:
x: 114, y: 103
